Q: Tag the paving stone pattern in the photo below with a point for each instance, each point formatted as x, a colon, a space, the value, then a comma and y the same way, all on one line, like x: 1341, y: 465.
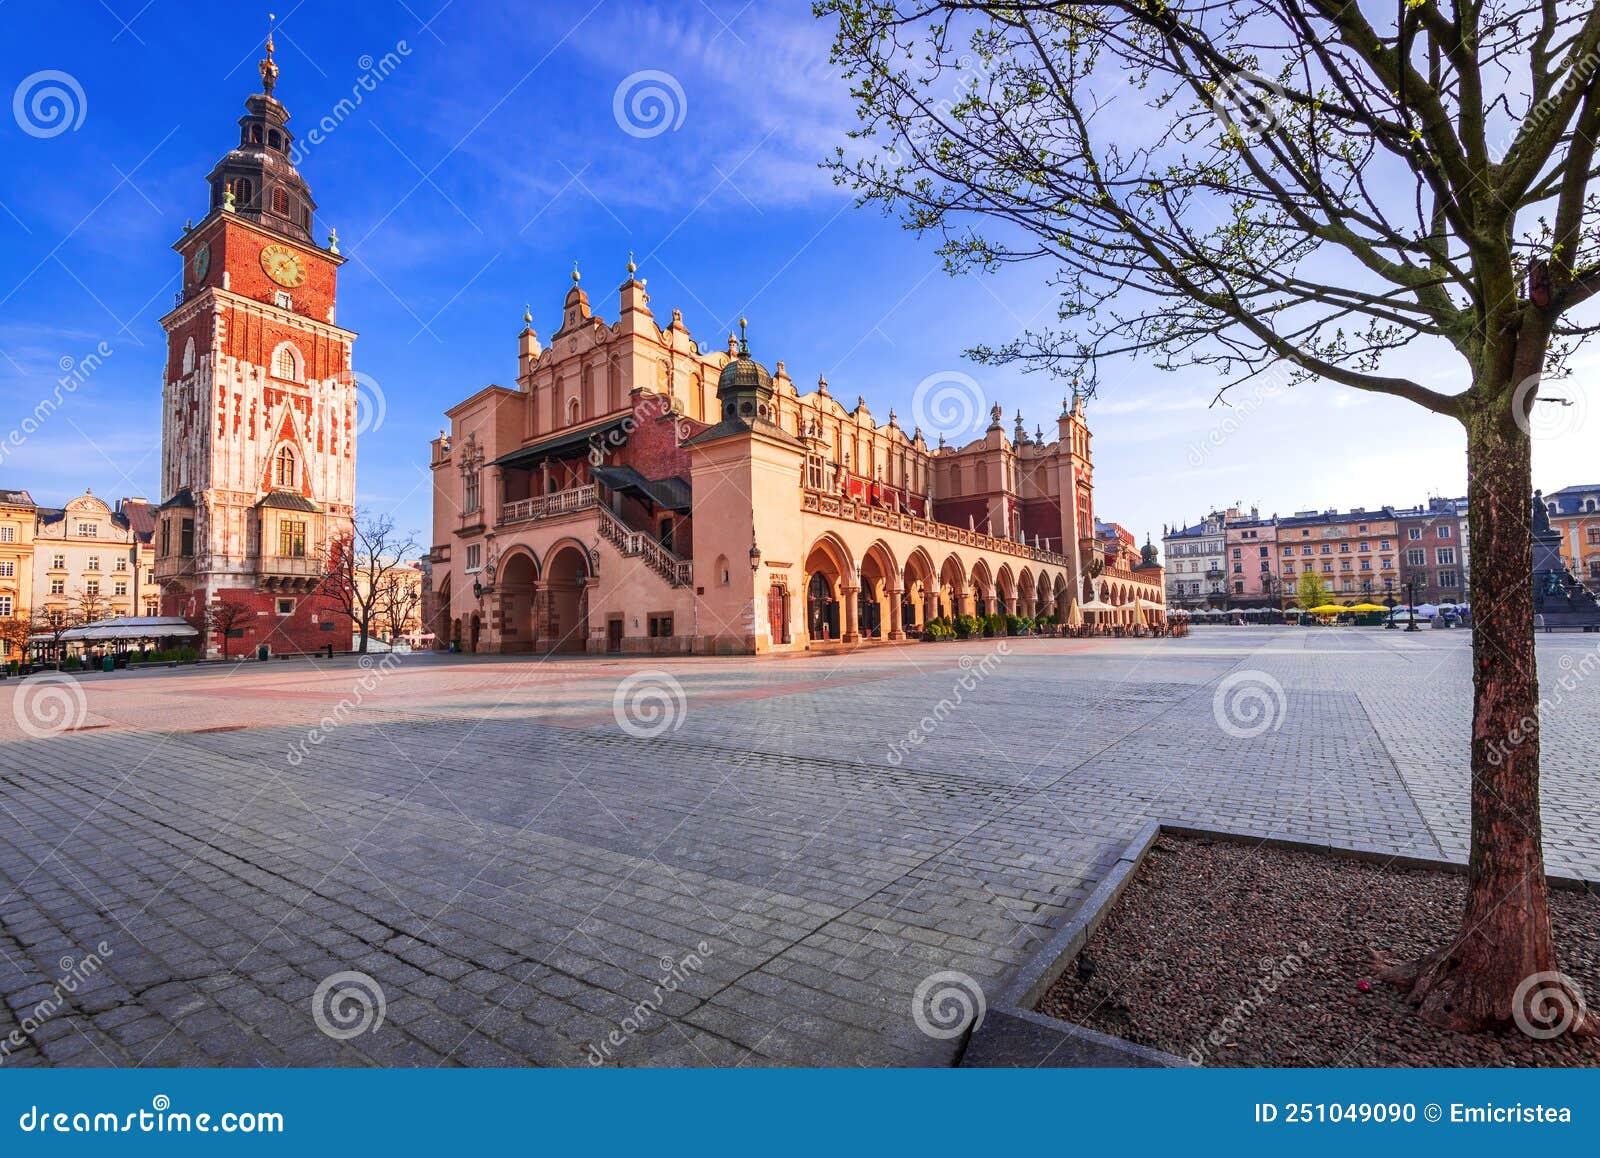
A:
x: 756, y: 874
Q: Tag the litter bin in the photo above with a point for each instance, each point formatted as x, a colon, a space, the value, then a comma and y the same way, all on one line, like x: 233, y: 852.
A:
x: 108, y: 663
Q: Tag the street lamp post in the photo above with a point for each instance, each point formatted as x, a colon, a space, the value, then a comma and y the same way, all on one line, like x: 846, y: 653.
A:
x: 1411, y: 604
x: 1389, y: 601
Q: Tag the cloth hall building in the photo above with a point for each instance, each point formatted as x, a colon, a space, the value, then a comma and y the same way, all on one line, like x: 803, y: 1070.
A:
x: 638, y: 493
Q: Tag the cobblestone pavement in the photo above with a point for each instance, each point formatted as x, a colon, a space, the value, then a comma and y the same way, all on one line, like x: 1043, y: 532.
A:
x: 673, y: 862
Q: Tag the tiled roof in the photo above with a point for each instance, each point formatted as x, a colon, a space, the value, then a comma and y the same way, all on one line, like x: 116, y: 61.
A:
x: 288, y: 501
x: 16, y: 498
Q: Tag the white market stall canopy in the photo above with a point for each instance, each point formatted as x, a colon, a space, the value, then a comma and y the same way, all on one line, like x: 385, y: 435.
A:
x: 126, y: 627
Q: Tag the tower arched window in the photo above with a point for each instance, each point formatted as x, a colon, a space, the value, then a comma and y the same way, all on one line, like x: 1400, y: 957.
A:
x: 283, y: 473
x: 280, y: 201
x: 285, y: 364
x: 188, y: 355
x: 244, y: 193
x: 572, y: 412
x: 275, y: 139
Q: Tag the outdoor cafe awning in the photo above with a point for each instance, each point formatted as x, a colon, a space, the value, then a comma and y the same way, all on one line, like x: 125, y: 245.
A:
x: 129, y: 628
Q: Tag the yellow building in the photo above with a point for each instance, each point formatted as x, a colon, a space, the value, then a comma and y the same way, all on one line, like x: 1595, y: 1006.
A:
x: 91, y: 561
x: 17, y: 516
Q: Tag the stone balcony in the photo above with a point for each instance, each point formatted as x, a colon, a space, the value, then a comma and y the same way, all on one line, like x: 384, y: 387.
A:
x: 549, y: 506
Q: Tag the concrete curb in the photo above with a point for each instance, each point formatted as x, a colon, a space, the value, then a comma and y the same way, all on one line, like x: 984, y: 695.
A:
x: 1012, y: 1034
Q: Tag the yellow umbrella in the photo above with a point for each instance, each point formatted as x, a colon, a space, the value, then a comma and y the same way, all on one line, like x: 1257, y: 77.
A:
x: 1327, y: 609
x: 1367, y: 607
x: 1074, y: 616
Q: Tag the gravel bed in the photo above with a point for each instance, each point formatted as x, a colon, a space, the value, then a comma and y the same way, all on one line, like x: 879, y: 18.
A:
x: 1238, y: 955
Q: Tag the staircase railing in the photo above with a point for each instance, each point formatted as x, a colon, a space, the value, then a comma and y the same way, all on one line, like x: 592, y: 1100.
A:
x: 637, y: 544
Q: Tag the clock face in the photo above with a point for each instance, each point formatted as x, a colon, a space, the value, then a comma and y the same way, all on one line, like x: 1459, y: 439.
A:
x: 201, y: 262
x: 283, y: 265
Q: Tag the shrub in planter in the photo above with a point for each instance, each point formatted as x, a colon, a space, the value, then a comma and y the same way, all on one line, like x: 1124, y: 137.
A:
x: 938, y: 630
x: 966, y: 626
x: 994, y: 625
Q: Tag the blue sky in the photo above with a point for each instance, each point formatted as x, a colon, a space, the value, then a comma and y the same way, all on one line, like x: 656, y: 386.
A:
x: 489, y: 159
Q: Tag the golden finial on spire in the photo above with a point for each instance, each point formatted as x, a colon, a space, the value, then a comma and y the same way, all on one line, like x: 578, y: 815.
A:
x: 631, y: 266
x: 527, y: 313
x: 575, y: 275
x: 744, y: 346
x: 269, y: 68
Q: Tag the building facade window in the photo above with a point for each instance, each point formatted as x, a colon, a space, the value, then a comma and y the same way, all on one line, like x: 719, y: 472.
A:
x: 285, y: 468
x: 292, y: 538
x: 474, y: 556
x: 1416, y: 557
x: 285, y: 365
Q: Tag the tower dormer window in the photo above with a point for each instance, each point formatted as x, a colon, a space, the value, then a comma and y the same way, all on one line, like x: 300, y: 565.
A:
x: 244, y: 193
x: 280, y: 202
x: 284, y: 470
x: 275, y: 139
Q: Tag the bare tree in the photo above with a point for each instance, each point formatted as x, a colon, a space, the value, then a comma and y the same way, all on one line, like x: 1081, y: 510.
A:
x: 225, y: 617
x: 88, y: 606
x: 358, y: 564
x: 400, y: 601
x: 1306, y: 189
x: 53, y: 625
x: 16, y: 631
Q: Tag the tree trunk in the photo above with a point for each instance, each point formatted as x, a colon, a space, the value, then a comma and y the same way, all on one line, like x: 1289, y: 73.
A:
x: 1503, y: 954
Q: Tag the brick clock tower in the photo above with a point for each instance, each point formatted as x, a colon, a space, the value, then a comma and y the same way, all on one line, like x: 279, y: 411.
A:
x: 258, y: 419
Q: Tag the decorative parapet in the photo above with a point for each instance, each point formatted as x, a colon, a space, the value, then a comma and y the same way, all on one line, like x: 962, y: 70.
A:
x: 833, y: 506
x: 549, y: 506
